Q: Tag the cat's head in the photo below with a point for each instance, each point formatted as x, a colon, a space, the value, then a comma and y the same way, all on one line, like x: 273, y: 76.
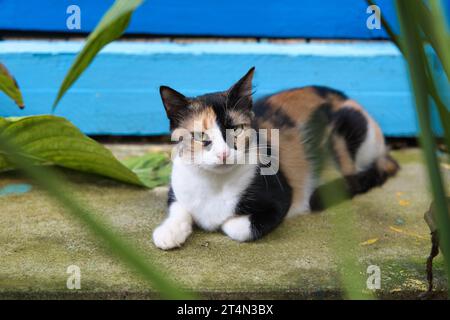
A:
x: 214, y: 130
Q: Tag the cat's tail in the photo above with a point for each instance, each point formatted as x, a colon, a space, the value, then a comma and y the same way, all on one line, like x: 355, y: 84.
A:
x: 339, y: 190
x: 361, y: 155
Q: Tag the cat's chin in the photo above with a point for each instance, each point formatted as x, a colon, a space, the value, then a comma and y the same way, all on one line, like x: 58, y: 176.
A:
x: 218, y: 168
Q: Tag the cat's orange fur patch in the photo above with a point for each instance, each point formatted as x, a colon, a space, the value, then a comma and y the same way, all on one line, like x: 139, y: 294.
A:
x: 200, y: 121
x: 297, y: 104
x: 294, y: 164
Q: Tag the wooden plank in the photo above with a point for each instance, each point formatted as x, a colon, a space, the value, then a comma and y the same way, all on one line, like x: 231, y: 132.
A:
x: 118, y: 94
x: 227, y: 18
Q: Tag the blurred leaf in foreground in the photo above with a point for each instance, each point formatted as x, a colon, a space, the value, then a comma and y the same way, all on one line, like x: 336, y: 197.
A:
x: 111, y: 26
x: 118, y: 245
x: 419, y: 70
x: 9, y: 86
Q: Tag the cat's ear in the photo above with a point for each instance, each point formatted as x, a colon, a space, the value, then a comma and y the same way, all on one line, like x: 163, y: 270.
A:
x: 240, y: 94
x: 173, y: 101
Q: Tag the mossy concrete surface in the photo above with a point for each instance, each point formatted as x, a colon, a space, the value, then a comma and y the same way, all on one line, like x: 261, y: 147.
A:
x: 39, y: 241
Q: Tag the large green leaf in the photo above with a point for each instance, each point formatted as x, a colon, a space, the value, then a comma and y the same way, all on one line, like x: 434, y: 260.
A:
x: 9, y: 86
x: 51, y: 140
x: 111, y: 27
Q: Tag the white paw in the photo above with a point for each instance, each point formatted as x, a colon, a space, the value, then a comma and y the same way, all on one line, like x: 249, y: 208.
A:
x: 170, y: 234
x: 238, y: 228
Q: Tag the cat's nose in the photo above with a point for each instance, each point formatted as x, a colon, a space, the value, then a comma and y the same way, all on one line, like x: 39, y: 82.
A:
x: 222, y: 155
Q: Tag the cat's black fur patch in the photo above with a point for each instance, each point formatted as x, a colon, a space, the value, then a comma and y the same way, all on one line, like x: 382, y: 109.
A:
x: 267, y: 200
x: 278, y: 117
x: 366, y: 180
x: 325, y: 92
x: 352, y: 126
x: 171, y: 197
x: 221, y: 106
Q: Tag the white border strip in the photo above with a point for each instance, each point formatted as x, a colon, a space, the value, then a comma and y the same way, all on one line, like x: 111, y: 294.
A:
x: 328, y: 49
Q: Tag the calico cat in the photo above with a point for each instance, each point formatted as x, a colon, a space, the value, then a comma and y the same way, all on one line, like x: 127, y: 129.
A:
x: 236, y: 197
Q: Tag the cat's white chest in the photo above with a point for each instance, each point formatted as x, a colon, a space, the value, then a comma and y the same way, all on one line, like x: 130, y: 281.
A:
x: 210, y: 198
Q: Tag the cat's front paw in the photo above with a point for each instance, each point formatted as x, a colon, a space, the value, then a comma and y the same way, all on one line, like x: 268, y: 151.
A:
x: 171, y: 235
x: 238, y: 228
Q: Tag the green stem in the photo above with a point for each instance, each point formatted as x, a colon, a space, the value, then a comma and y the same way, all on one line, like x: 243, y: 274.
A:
x: 414, y: 53
x: 444, y: 113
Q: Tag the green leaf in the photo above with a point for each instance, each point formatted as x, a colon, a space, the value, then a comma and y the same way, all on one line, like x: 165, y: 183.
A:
x: 153, y: 169
x: 51, y: 140
x: 111, y: 27
x: 434, y: 28
x: 9, y: 86
x: 433, y: 25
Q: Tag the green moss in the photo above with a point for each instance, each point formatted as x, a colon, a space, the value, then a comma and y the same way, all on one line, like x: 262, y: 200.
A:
x: 406, y: 156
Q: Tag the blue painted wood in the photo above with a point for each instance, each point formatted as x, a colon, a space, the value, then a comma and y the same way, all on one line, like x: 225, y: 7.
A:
x: 228, y: 18
x: 118, y: 94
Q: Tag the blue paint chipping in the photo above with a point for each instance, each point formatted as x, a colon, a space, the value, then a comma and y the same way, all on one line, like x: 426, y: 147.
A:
x: 15, y: 189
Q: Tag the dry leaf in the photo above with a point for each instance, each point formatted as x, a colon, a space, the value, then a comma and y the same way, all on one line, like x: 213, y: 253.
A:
x: 412, y: 234
x: 369, y: 242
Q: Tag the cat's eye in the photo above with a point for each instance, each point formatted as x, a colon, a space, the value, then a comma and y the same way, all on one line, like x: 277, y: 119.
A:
x: 200, y: 136
x: 237, y: 130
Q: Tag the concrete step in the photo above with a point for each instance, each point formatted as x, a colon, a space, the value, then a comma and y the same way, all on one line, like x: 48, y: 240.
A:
x: 38, y: 241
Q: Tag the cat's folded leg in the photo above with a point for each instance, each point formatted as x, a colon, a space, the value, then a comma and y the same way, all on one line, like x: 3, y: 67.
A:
x: 256, y: 225
x: 238, y: 228
x: 174, y: 231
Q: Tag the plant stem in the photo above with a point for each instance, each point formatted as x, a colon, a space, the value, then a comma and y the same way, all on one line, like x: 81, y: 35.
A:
x: 414, y: 53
